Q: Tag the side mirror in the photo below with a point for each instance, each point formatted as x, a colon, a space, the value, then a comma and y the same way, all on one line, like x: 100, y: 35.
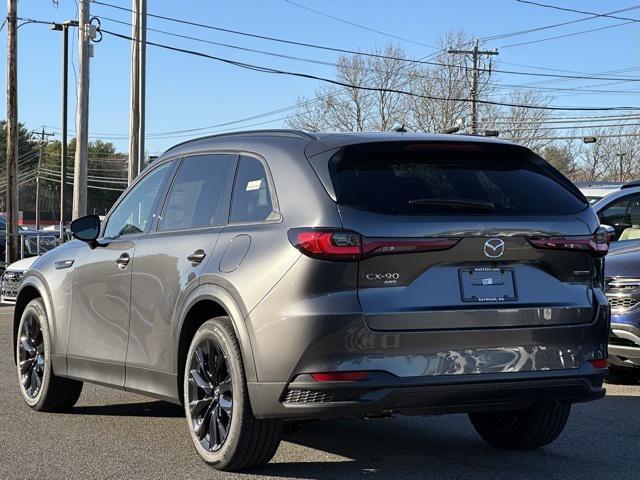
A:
x: 86, y: 228
x: 610, y: 232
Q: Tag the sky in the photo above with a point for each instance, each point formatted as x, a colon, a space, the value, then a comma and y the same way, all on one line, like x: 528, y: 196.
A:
x: 187, y: 92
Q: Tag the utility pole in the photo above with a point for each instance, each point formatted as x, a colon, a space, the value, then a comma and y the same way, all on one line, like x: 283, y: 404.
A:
x: 142, y: 73
x: 43, y: 134
x: 64, y: 28
x: 475, y: 57
x: 621, y: 161
x: 82, y: 114
x: 134, y: 114
x: 11, y: 203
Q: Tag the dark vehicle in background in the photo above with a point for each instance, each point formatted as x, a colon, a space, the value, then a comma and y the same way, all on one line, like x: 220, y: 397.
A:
x: 623, y: 291
x: 272, y: 276
x: 30, y: 242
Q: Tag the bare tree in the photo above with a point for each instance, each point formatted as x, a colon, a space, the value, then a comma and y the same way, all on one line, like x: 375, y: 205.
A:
x: 441, y: 89
x: 449, y: 79
x: 615, y: 156
x: 354, y: 109
x: 520, y: 123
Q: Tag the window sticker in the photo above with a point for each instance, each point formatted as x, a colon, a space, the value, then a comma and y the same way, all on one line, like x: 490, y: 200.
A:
x: 254, y: 185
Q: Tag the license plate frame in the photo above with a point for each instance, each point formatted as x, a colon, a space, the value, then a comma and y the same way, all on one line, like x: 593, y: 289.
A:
x: 487, y: 285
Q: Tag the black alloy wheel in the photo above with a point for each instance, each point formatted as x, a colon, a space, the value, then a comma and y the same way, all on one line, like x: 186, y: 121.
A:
x: 31, y: 356
x: 210, y: 395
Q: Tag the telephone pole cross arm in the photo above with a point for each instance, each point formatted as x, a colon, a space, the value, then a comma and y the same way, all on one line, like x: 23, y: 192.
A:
x: 476, y: 53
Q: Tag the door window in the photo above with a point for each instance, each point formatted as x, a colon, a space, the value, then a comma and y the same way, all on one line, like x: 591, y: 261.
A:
x: 624, y: 216
x: 133, y: 213
x: 251, y: 195
x: 199, y: 195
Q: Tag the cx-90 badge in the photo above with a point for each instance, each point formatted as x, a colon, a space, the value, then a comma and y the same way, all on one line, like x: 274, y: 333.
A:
x: 494, y: 248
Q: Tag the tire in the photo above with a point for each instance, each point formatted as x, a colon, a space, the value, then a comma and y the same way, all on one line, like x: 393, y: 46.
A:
x: 623, y: 376
x: 216, y: 397
x: 40, y: 387
x: 526, y: 429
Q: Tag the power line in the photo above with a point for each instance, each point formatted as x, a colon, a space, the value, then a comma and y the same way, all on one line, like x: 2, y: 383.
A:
x: 315, y: 61
x: 564, y: 127
x: 566, y: 35
x: 358, y: 25
x: 580, y: 137
x: 555, y: 7
x: 586, y: 118
x: 562, y: 24
x: 259, y: 68
x: 535, y: 67
x: 352, y: 52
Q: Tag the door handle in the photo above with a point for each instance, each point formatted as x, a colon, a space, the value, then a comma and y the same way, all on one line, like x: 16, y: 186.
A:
x: 196, y: 257
x: 123, y: 261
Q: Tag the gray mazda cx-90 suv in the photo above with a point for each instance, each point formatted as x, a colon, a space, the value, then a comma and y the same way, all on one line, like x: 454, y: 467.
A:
x: 271, y: 276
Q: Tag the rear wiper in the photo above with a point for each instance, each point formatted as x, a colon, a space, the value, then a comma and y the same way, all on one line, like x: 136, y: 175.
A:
x: 455, y: 203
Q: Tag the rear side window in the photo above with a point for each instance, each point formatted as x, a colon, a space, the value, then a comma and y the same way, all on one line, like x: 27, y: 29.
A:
x: 200, y: 192
x: 251, y: 195
x: 423, y: 179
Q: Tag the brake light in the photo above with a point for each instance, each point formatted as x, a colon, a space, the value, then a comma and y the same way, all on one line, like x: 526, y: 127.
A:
x: 327, y: 244
x: 340, y: 376
x: 333, y: 244
x: 599, y: 363
x: 597, y: 244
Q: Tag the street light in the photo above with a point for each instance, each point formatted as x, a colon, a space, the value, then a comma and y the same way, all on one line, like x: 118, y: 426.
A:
x: 589, y: 139
x: 64, y: 28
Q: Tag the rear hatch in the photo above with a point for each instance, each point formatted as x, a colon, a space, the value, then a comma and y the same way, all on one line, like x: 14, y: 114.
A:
x: 466, y: 236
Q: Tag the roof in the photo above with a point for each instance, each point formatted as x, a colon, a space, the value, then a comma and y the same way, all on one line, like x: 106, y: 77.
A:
x: 321, y: 141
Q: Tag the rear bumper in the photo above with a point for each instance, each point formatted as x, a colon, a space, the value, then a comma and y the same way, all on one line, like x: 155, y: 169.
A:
x: 305, y: 328
x: 386, y: 393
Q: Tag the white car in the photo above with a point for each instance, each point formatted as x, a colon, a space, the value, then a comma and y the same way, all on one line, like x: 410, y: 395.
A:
x: 11, y: 277
x: 595, y: 191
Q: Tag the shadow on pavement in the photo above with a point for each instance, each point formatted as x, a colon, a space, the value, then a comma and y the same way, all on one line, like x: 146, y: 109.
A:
x: 447, y: 447
x: 158, y: 409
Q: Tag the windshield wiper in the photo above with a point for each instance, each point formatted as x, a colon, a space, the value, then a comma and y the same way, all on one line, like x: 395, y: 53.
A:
x: 455, y: 203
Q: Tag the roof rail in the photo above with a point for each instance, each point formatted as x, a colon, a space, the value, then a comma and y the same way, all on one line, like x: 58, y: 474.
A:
x: 267, y: 132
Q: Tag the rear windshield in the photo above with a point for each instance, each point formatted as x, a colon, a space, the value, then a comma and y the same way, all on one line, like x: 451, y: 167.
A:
x: 451, y: 178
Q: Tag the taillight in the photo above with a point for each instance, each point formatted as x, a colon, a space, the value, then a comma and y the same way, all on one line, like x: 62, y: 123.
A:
x: 334, y: 244
x: 599, y: 363
x: 378, y: 246
x: 596, y: 245
x: 327, y: 244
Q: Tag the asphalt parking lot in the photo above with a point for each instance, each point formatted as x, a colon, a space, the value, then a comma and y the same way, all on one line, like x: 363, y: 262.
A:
x: 113, y: 434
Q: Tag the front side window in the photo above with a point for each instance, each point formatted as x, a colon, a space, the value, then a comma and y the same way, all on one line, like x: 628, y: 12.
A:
x: 199, y: 195
x: 251, y: 195
x: 624, y: 216
x: 133, y: 213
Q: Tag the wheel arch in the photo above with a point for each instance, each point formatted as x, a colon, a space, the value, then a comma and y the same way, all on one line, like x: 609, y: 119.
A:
x: 205, y: 302
x: 31, y: 287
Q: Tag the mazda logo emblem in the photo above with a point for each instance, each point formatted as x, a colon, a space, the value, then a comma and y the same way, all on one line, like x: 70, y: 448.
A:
x: 494, y: 248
